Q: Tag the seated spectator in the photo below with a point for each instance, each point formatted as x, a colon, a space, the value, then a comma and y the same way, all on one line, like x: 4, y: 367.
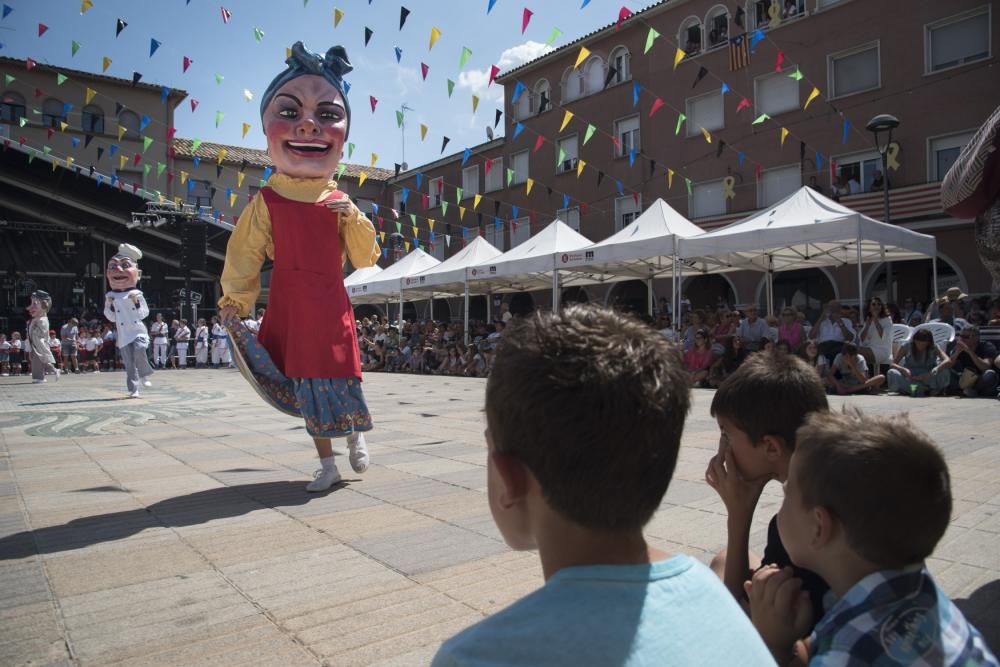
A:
x: 557, y: 465
x: 878, y: 182
x: 732, y: 358
x: 910, y: 312
x: 875, y: 339
x: 783, y: 347
x: 948, y: 307
x: 725, y: 329
x: 809, y: 353
x: 832, y: 331
x: 972, y: 372
x: 866, y: 501
x: 790, y: 329
x: 920, y: 367
x: 699, y: 359
x: 752, y: 329
x: 696, y: 322
x: 849, y: 372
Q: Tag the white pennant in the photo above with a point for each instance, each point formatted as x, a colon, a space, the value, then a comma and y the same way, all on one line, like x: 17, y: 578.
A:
x: 447, y: 240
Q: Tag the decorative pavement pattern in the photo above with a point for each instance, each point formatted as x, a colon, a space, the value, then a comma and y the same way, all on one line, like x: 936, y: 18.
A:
x: 175, y: 529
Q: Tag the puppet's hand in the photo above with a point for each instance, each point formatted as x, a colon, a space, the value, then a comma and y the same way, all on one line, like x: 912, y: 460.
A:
x: 342, y: 205
x: 134, y: 295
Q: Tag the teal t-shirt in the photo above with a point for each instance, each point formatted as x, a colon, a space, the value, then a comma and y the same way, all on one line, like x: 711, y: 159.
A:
x: 671, y: 612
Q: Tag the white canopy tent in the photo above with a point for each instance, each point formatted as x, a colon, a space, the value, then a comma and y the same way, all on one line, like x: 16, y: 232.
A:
x: 803, y: 230
x: 644, y: 249
x: 360, y: 276
x: 386, y: 284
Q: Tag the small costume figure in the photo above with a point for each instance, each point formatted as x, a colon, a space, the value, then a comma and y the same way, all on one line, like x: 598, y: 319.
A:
x: 304, y: 360
x: 201, y: 344
x: 126, y: 307
x: 38, y: 337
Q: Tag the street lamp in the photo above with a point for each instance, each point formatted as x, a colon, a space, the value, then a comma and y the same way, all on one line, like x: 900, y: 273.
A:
x: 884, y: 124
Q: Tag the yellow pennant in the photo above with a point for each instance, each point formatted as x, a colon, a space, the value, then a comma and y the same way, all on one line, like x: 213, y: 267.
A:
x: 121, y: 131
x: 90, y: 95
x: 530, y: 183
x: 222, y: 156
x: 184, y: 177
x: 475, y: 103
x: 288, y: 53
x: 580, y: 164
x: 461, y: 213
x: 670, y: 178
x: 813, y: 95
x: 423, y: 131
x: 784, y: 135
x: 374, y: 159
x: 63, y: 125
x: 239, y: 179
x: 337, y: 15
x: 435, y: 34
x: 69, y: 161
x: 54, y: 165
x: 406, y: 244
x: 430, y: 224
x: 105, y: 64
x: 232, y: 199
x: 121, y: 161
x: 177, y: 202
x: 678, y: 57
x: 246, y: 128
x: 381, y: 236
x: 708, y: 136
x: 567, y: 117
x: 475, y: 202
x: 584, y: 52
x: 361, y: 178
x: 85, y: 5
x: 415, y: 231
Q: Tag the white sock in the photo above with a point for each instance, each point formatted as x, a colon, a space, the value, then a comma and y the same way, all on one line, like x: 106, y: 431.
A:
x: 328, y: 463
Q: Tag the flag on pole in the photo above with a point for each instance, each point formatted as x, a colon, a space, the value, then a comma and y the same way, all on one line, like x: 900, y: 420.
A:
x: 739, y: 53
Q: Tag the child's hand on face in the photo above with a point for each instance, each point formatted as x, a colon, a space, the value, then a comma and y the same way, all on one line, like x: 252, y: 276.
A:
x: 780, y: 610
x: 739, y: 495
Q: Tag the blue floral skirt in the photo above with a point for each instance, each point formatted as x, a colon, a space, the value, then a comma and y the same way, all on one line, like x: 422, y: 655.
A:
x: 331, y: 407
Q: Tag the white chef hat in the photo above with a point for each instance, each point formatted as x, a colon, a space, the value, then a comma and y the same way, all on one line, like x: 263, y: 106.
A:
x: 130, y: 251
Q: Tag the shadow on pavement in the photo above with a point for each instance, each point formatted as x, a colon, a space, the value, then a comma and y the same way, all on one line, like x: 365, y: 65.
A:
x: 187, y: 510
x: 982, y: 609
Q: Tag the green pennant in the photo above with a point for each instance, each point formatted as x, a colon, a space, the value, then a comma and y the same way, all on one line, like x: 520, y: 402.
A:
x: 194, y: 145
x: 451, y: 87
x: 340, y: 170
x: 218, y: 118
x: 31, y: 156
x: 23, y: 121
x: 399, y: 227
x: 350, y: 150
x: 680, y: 119
x: 464, y: 58
x: 562, y: 156
x: 797, y: 75
x: 687, y: 181
x: 159, y: 169
x: 553, y: 36
x: 60, y: 79
x: 650, y: 38
x: 588, y: 134
x: 760, y: 119
x: 510, y: 176
x: 75, y: 46
x: 146, y: 141
x: 258, y: 34
x: 8, y: 79
x: 413, y: 219
x: 263, y: 182
x: 399, y: 119
x: 145, y: 169
x: 218, y: 79
x: 47, y: 149
x: 444, y: 207
x: 458, y: 195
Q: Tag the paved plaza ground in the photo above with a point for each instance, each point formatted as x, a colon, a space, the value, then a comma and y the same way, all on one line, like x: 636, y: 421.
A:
x: 175, y: 529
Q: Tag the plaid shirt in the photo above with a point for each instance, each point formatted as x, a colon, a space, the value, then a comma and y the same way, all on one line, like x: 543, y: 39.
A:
x: 897, y: 617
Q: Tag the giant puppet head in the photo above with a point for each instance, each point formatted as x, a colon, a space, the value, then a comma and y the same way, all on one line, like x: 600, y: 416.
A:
x: 305, y: 113
x: 40, y: 304
x: 123, y: 269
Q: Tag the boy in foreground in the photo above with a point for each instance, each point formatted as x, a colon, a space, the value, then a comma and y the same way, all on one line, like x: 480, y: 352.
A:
x: 759, y: 407
x: 866, y: 501
x: 585, y: 410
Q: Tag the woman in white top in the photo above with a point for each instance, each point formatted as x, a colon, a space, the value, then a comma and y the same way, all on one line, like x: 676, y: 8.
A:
x: 875, y: 341
x: 158, y: 330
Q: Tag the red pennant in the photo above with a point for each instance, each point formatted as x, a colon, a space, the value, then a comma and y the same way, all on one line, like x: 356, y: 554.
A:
x: 584, y: 207
x: 531, y: 216
x: 423, y: 70
x: 617, y: 142
x: 171, y: 131
x: 21, y: 140
x: 171, y: 151
x: 30, y: 64
x: 744, y: 104
x: 481, y: 232
x: 538, y: 143
x: 380, y: 221
x: 42, y: 28
x: 226, y: 14
x: 170, y: 177
x: 136, y: 159
x: 779, y: 60
x: 657, y: 103
x: 513, y: 225
x: 489, y: 165
x: 440, y: 186
x: 187, y: 63
x: 50, y: 131
x: 494, y: 70
x: 525, y: 18
x: 623, y: 14
x: 424, y: 200
x: 756, y: 170
x: 373, y: 101
x: 194, y: 104
x: 635, y: 198
x: 39, y: 92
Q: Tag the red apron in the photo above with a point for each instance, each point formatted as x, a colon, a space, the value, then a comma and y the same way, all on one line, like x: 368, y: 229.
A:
x: 309, y: 326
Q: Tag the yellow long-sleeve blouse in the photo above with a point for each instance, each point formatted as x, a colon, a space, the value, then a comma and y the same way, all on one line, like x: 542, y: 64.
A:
x: 251, y: 241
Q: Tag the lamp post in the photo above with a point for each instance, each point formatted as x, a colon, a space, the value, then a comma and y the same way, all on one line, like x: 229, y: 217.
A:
x: 883, y: 125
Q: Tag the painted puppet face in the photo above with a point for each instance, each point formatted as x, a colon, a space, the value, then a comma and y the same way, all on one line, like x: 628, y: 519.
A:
x: 122, y: 273
x: 36, y: 308
x: 305, y: 124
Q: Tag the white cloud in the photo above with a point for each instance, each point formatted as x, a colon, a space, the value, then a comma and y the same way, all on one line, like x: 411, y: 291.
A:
x: 477, y: 81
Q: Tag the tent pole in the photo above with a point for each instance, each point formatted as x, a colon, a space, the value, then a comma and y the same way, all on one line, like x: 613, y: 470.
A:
x: 431, y: 301
x: 861, y: 287
x: 489, y: 306
x: 555, y: 287
x: 401, y: 305
x: 649, y: 296
x: 678, y: 279
x: 934, y: 287
x: 467, y: 311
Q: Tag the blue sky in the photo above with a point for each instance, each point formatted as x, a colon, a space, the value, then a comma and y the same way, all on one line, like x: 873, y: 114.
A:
x: 194, y: 28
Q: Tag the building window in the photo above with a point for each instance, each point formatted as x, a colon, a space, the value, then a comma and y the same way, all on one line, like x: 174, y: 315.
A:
x: 705, y: 111
x: 520, y: 231
x: 572, y: 85
x: 776, y: 184
x: 494, y: 177
x: 200, y: 193
x: 397, y: 202
x: 93, y: 119
x: 855, y: 173
x: 437, y: 247
x: 757, y: 11
x: 627, y: 209
x: 522, y: 107
x: 706, y: 199
x: 776, y: 93
x: 957, y: 40
x: 495, y: 235
x: 52, y: 112
x: 519, y: 163
x: 854, y: 71
x: 593, y: 75
x: 542, y: 98
x: 12, y: 107
x: 130, y: 121
x: 470, y: 181
x: 570, y: 216
x: 942, y: 153
x: 717, y: 25
x: 627, y: 132
x: 621, y: 60
x: 434, y: 187
x: 567, y: 147
x: 690, y: 35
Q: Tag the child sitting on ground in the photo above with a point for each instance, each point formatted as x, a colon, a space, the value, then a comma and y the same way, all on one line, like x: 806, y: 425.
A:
x: 866, y: 501
x: 584, y: 412
x: 759, y: 408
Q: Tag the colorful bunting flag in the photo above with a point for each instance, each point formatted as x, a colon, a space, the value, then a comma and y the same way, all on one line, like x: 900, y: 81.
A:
x: 423, y: 70
x: 337, y: 16
x: 373, y: 102
x: 74, y: 47
x: 678, y: 57
x: 105, y: 63
x: 435, y: 35
x: 657, y: 103
x: 119, y: 26
x: 708, y: 136
x: 226, y: 14
x: 680, y: 119
x: 525, y: 19
x: 403, y: 13
x: 553, y: 36
x: 475, y: 103
x: 153, y: 46
x: 813, y: 95
x: 584, y: 53
x: 760, y: 119
x: 85, y: 5
x: 423, y: 131
x: 258, y: 34
x: 797, y: 75
x: 567, y: 117
x: 744, y: 104
x: 651, y: 37
x: 246, y: 128
x: 368, y: 35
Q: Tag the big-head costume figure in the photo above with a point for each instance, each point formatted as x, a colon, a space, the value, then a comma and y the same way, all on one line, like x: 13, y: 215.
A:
x: 42, y: 360
x: 126, y: 307
x: 304, y: 360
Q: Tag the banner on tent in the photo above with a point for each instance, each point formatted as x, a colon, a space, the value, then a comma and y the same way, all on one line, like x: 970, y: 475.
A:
x: 482, y: 272
x: 416, y: 280
x: 586, y: 256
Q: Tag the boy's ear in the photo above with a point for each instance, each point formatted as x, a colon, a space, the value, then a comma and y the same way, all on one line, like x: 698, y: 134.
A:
x: 514, y: 475
x: 824, y: 527
x: 775, y: 447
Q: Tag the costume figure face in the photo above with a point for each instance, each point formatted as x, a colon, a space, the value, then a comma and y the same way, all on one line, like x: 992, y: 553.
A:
x: 122, y: 273
x: 305, y: 124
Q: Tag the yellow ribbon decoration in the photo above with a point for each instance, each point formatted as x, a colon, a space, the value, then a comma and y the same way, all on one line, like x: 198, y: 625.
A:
x: 774, y: 12
x: 727, y: 187
x: 813, y: 95
x: 893, y: 152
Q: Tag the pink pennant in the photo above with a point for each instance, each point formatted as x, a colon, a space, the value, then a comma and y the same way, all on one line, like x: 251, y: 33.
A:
x: 170, y: 177
x: 584, y: 207
x: 617, y: 142
x: 513, y: 225
x: 171, y: 131
x: 525, y: 19
x: 42, y: 28
x: 30, y: 64
x: 657, y: 103
x: 381, y: 221
x: 538, y: 143
x: 756, y: 170
x: 423, y: 70
x: 635, y: 198
x: 39, y: 92
x: 744, y: 104
x: 194, y: 104
x: 226, y: 14
x: 623, y: 14
x: 489, y: 165
x: 425, y: 200
x: 494, y: 70
x: 50, y: 131
x: 371, y: 98
x: 187, y: 63
x: 779, y: 60
x: 21, y: 140
x: 136, y: 159
x: 171, y: 151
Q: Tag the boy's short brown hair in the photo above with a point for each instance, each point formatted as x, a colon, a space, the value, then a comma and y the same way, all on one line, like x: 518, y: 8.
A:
x: 882, y: 478
x: 770, y: 394
x: 593, y: 403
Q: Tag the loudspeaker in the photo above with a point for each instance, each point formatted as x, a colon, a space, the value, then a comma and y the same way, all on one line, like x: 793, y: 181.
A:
x: 194, y: 239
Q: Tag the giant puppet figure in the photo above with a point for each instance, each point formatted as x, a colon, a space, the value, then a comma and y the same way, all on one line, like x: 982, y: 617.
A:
x: 126, y: 307
x: 304, y: 359
x: 38, y: 337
